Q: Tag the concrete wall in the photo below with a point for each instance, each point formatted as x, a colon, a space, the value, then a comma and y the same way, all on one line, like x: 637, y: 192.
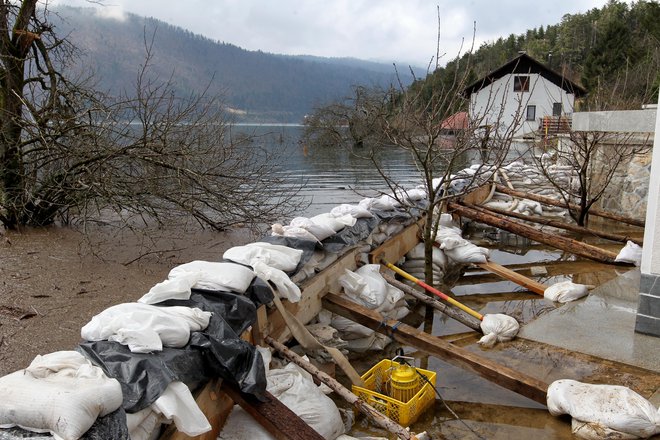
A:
x: 499, y: 105
x: 648, y: 311
x: 629, y: 121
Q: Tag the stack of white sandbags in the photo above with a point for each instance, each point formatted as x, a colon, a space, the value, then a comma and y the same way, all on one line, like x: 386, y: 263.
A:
x: 369, y: 289
x: 415, y: 263
x: 295, y: 388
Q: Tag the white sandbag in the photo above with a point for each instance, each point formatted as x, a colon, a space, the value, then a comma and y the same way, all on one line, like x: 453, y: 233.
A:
x: 274, y: 255
x: 64, y: 399
x: 242, y: 426
x: 320, y: 231
x: 295, y: 388
x: 438, y: 256
x: 498, y: 327
x: 565, y: 291
x: 383, y: 203
x: 178, y: 404
x: 469, y: 253
x: 337, y: 223
x: 144, y: 424
x: 356, y: 211
x: 375, y: 342
x: 145, y: 328
x: 631, y: 253
x: 349, y: 329
x: 365, y: 286
x: 504, y: 205
x: 286, y: 288
x: 612, y: 407
x: 293, y: 232
x: 203, y: 275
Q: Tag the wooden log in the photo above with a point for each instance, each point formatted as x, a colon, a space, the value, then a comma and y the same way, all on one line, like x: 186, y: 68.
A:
x: 554, y: 202
x: 466, y: 320
x: 373, y: 415
x: 510, y: 275
x: 274, y: 416
x: 520, y: 383
x: 563, y: 243
x: 566, y: 226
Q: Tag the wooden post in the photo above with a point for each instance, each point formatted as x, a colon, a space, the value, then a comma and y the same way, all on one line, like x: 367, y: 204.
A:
x: 554, y: 202
x: 466, y: 320
x: 520, y: 383
x: 375, y: 416
x: 563, y: 243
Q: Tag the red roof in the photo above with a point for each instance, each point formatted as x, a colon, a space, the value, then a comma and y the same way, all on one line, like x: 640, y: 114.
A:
x: 457, y: 121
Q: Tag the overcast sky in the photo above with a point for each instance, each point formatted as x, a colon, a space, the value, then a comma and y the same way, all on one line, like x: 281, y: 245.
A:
x: 403, y: 31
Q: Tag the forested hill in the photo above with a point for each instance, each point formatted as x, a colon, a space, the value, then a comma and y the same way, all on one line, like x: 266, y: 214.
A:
x: 614, y: 52
x: 258, y: 86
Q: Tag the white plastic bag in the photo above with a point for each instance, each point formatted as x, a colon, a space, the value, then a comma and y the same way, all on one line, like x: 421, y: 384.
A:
x: 631, y: 253
x: 292, y: 231
x: 498, y: 327
x: 337, y: 223
x: 64, y: 396
x: 145, y: 328
x: 356, y: 211
x: 365, y: 286
x: 320, y: 231
x: 603, y: 408
x: 565, y: 291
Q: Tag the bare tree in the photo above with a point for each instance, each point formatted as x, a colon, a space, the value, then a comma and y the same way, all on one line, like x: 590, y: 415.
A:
x: 69, y: 152
x: 592, y: 159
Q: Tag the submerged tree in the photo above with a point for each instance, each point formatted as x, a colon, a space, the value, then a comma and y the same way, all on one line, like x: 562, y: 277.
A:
x: 69, y: 152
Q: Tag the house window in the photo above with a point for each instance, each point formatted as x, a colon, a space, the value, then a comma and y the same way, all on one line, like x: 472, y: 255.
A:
x: 521, y: 83
x: 556, y: 109
x: 531, y: 112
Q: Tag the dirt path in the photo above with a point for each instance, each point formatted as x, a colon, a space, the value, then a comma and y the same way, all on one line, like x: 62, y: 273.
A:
x: 52, y: 281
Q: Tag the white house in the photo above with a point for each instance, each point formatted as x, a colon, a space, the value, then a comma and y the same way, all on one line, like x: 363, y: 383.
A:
x: 520, y: 96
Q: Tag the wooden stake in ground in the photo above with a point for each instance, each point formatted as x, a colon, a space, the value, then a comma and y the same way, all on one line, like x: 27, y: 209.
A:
x: 373, y: 415
x: 563, y: 243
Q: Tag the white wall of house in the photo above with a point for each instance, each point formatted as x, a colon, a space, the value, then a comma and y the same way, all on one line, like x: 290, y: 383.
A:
x: 498, y: 104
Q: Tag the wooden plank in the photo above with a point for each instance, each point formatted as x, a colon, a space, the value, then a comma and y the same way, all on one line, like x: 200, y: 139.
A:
x: 216, y: 406
x: 554, y: 202
x: 510, y: 275
x: 559, y: 242
x: 312, y: 290
x: 520, y: 383
x: 274, y: 416
x: 477, y: 196
x: 399, y: 245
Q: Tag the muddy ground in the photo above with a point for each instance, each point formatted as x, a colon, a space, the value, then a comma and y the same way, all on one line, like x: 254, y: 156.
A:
x: 53, y: 280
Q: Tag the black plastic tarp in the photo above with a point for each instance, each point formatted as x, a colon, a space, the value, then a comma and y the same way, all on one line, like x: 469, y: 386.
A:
x: 216, y: 351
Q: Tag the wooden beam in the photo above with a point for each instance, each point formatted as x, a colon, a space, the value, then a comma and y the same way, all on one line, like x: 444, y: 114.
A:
x: 566, y: 226
x: 510, y: 275
x: 554, y: 202
x: 559, y: 242
x: 520, y: 383
x: 274, y: 416
x: 399, y: 245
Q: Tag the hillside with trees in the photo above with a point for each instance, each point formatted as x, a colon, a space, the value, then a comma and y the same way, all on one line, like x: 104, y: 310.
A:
x: 614, y: 52
x: 256, y: 86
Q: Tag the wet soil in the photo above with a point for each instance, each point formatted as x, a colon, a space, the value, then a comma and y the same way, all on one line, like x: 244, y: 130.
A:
x: 53, y: 280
